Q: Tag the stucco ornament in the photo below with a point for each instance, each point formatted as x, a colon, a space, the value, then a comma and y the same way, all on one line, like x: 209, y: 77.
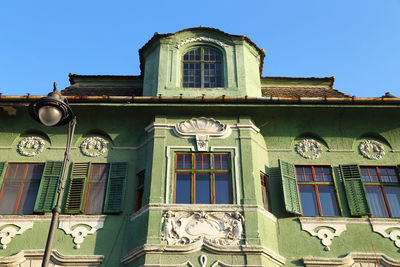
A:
x: 9, y: 231
x: 79, y: 228
x: 202, y: 128
x: 388, y: 229
x: 31, y: 146
x: 186, y: 227
x: 309, y: 148
x: 372, y: 149
x: 94, y: 146
x: 201, y: 39
x: 323, y: 230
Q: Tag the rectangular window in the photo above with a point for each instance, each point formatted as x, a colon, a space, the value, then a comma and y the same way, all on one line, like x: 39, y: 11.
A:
x: 264, y: 190
x: 20, y: 187
x: 202, y: 178
x: 317, y: 191
x: 382, y: 186
x: 96, y: 188
x: 139, y: 190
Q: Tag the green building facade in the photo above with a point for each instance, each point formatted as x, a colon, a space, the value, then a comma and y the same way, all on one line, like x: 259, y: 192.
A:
x: 200, y: 161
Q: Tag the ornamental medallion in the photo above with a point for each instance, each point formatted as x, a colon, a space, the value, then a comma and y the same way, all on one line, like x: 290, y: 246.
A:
x: 372, y: 149
x: 31, y: 146
x: 309, y: 148
x: 94, y: 146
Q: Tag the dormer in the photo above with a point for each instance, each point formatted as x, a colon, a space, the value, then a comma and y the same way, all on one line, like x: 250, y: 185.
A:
x: 201, y: 61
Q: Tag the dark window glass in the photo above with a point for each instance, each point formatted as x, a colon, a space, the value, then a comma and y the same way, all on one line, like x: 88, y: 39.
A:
x: 96, y: 188
x: 182, y: 195
x: 20, y: 188
x: 202, y: 188
x: 308, y: 201
x: 139, y: 190
x: 264, y: 190
x: 376, y: 202
x: 222, y: 192
x: 202, y: 68
x: 328, y: 201
x: 393, y: 197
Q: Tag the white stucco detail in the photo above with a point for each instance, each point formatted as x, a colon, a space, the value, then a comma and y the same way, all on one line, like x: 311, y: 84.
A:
x: 10, y: 229
x: 372, y: 149
x: 79, y: 228
x: 200, y: 39
x: 388, y: 229
x: 309, y: 148
x: 31, y: 146
x: 94, y: 146
x: 325, y: 230
x: 221, y: 228
x: 202, y: 128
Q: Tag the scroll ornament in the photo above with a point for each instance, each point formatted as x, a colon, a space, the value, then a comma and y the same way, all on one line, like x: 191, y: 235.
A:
x: 94, y: 146
x: 31, y: 146
x: 309, y: 148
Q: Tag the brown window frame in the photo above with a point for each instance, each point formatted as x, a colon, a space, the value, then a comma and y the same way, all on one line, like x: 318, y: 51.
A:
x: 264, y: 188
x: 91, y: 181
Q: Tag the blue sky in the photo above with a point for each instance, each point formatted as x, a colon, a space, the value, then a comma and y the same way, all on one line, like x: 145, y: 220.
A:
x: 357, y: 41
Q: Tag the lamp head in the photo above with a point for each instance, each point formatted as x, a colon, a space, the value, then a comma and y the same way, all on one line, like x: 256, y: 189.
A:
x: 52, y: 110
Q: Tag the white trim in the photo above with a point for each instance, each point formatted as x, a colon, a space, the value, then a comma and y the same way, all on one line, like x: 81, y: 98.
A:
x: 351, y: 259
x: 168, y: 169
x: 236, y: 167
x: 388, y: 229
x: 200, y: 39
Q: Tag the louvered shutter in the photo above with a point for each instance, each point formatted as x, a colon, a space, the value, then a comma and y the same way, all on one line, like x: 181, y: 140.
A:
x: 76, y: 192
x: 355, y: 191
x: 47, y: 193
x: 116, y: 188
x: 290, y: 188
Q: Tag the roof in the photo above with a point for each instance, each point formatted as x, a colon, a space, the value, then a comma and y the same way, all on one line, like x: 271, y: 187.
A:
x: 301, y: 92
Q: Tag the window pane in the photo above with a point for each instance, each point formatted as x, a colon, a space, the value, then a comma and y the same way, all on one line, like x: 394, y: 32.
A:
x: 99, y: 172
x: 222, y: 194
x: 203, y: 161
x: 393, y: 198
x: 9, y: 198
x: 308, y: 201
x: 34, y: 171
x: 328, y: 201
x: 376, y: 202
x: 28, y: 198
x: 182, y: 193
x: 95, y: 199
x: 202, y: 193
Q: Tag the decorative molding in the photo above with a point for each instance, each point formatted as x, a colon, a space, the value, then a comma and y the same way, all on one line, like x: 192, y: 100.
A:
x: 395, y: 151
x: 10, y: 230
x: 251, y: 127
x: 341, y: 150
x: 388, y: 229
x: 202, y: 128
x: 356, y: 259
x: 34, y: 258
x: 5, y: 147
x: 31, y: 146
x: 309, y: 148
x: 200, y: 244
x: 278, y: 150
x: 79, y: 228
x: 325, y: 230
x: 94, y: 146
x: 372, y: 149
x: 221, y: 228
x: 200, y: 39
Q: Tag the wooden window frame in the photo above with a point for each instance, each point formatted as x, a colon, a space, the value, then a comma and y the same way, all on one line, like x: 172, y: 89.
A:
x: 316, y: 184
x: 264, y: 187
x: 211, y: 171
x: 381, y: 185
x: 202, y: 62
x: 90, y: 182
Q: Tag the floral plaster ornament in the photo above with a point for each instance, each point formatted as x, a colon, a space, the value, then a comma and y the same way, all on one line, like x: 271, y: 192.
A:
x: 309, y: 148
x: 94, y: 146
x: 31, y: 146
x: 372, y: 149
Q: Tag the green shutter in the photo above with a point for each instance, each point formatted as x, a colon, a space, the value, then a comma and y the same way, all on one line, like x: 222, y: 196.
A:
x: 3, y: 168
x: 116, y: 188
x: 355, y: 191
x: 47, y: 193
x: 76, y: 192
x: 290, y: 188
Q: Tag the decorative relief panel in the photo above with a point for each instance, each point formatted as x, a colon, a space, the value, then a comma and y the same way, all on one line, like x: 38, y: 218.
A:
x: 389, y: 229
x: 79, y: 228
x: 94, y: 146
x: 323, y: 230
x: 372, y: 149
x: 10, y: 230
x: 202, y: 128
x: 201, y: 39
x: 309, y: 148
x: 185, y: 227
x: 31, y: 146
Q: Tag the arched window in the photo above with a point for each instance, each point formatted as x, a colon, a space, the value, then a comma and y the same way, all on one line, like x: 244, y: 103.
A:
x: 202, y: 68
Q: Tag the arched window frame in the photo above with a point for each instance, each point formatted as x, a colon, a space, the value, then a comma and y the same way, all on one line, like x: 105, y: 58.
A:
x: 221, y: 62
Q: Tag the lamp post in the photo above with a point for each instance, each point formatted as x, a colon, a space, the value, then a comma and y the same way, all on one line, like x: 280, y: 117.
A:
x: 53, y: 110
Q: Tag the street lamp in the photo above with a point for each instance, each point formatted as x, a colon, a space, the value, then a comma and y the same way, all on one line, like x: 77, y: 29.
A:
x: 53, y: 110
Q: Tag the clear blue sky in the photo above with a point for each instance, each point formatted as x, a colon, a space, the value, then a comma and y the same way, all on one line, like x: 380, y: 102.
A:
x: 357, y: 41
